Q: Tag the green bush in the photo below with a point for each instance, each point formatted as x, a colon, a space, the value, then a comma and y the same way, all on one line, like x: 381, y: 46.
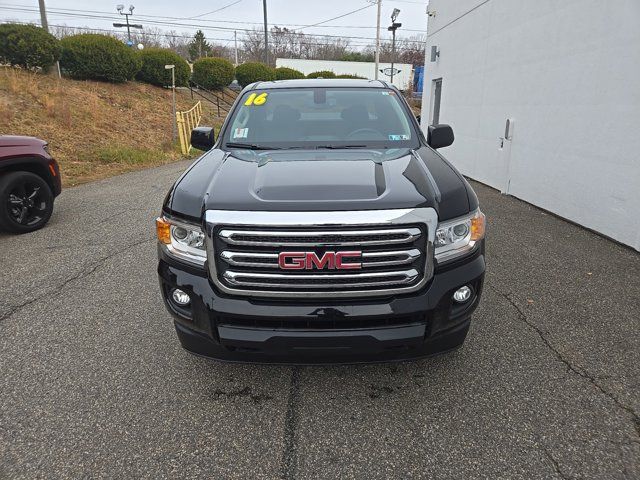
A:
x: 254, y: 72
x: 98, y: 57
x: 152, y: 70
x: 346, y: 75
x: 212, y: 73
x: 285, y: 73
x: 322, y: 74
x: 28, y: 46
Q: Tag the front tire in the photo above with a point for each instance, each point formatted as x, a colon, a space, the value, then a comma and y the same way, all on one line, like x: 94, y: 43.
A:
x: 26, y: 202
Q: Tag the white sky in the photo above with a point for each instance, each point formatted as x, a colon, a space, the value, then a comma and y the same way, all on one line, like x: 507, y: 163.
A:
x: 247, y: 12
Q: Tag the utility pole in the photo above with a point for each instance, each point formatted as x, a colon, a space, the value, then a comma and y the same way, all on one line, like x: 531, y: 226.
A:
x: 235, y: 42
x: 378, y: 39
x: 45, y: 25
x: 43, y: 16
x: 266, y: 33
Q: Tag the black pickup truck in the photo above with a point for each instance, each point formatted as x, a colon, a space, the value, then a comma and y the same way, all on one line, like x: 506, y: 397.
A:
x: 321, y: 226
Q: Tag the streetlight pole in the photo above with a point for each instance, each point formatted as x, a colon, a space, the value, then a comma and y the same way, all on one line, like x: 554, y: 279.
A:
x: 266, y: 33
x: 173, y: 88
x: 393, y: 51
x: 120, y: 9
x: 378, y: 39
x: 394, y: 26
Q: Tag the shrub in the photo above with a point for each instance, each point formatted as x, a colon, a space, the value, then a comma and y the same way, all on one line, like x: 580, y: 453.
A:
x: 322, y: 74
x: 285, y: 73
x: 152, y: 70
x: 254, y: 72
x: 98, y: 57
x: 212, y: 73
x: 346, y: 75
x: 28, y: 46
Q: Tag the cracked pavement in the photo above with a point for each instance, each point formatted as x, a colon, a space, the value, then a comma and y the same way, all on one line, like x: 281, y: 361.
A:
x: 94, y: 384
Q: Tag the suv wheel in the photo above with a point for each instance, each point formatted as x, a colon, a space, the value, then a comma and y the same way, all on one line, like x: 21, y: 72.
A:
x: 26, y: 202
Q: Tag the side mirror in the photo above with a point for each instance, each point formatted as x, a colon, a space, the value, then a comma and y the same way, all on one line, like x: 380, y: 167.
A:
x: 203, y: 138
x: 439, y: 136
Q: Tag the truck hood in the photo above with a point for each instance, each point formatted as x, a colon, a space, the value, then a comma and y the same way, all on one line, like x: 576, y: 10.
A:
x: 310, y: 180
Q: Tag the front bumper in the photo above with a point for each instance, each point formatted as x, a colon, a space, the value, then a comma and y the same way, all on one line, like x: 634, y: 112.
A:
x: 321, y: 331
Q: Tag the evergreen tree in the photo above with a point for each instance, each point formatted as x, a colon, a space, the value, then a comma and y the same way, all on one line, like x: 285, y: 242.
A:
x: 199, y: 47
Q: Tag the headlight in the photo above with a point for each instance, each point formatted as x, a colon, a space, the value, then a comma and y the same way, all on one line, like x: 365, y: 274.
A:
x: 459, y: 236
x: 184, y: 241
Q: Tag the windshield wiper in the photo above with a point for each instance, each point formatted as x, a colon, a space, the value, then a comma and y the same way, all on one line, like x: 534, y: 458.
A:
x: 250, y: 146
x: 337, y: 147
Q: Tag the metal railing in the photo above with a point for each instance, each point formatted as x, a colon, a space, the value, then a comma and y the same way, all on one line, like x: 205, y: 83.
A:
x: 222, y: 99
x: 187, y: 121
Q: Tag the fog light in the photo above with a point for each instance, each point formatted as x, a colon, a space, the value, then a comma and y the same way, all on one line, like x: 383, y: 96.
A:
x: 180, y: 297
x: 462, y: 294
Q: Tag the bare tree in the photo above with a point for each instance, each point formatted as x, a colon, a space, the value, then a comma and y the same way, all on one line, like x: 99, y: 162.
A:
x: 411, y: 50
x: 61, y: 31
x: 286, y: 43
x: 408, y: 50
x: 177, y: 42
x: 150, y: 37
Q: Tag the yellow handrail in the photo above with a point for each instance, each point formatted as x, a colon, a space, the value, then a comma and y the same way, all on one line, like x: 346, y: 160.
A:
x: 187, y: 121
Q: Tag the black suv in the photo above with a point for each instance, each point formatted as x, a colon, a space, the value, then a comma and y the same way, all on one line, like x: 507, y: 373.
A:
x: 321, y: 226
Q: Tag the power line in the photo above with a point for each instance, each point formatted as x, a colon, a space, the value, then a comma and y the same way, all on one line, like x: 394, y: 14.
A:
x: 464, y: 14
x: 100, y: 15
x: 213, y: 11
x: 168, y: 35
x: 143, y: 16
x: 151, y: 34
x: 335, y: 18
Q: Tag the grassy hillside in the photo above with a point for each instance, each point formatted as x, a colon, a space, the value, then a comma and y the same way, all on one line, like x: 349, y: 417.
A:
x: 94, y: 129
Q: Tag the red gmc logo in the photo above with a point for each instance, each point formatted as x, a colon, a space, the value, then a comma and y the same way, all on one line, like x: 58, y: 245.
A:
x: 329, y: 260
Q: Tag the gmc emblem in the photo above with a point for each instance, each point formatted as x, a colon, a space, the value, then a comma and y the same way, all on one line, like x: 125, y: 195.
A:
x: 329, y: 260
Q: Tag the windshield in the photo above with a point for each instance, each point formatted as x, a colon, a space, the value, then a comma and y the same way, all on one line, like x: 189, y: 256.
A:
x: 320, y: 118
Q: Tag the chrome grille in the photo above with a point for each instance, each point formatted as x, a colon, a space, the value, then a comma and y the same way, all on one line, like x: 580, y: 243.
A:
x: 243, y: 256
x: 369, y: 259
x: 315, y: 239
x: 304, y: 280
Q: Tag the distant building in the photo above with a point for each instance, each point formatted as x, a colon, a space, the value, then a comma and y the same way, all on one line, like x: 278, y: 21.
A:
x: 401, y: 79
x: 544, y: 100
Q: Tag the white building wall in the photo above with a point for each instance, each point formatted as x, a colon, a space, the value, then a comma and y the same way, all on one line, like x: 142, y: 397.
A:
x: 568, y: 74
x: 363, y: 69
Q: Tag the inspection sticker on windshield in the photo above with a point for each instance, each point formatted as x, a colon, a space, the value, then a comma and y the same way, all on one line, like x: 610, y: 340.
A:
x: 240, y: 133
x: 398, y: 137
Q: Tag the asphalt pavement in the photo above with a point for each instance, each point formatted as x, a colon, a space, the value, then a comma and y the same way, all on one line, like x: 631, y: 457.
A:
x: 94, y: 384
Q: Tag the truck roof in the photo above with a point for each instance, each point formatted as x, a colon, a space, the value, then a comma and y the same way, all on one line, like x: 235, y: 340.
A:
x: 321, y: 83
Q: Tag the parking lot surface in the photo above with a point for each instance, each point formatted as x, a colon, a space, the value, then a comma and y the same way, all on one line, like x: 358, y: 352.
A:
x: 94, y: 384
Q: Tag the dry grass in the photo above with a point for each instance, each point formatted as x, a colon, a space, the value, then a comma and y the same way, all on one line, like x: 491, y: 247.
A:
x: 94, y: 129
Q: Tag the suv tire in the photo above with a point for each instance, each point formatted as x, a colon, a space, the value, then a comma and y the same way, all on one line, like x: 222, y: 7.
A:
x: 26, y: 202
